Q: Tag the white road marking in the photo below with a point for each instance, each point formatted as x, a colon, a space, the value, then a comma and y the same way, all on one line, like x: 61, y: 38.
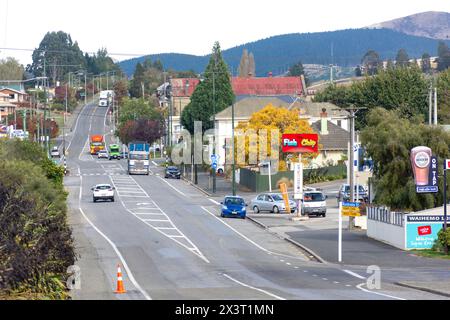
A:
x: 354, y: 274
x: 191, y: 247
x: 154, y: 163
x: 246, y: 238
x: 180, y: 192
x: 214, y: 201
x: 254, y: 288
x: 378, y: 293
x: 116, y: 250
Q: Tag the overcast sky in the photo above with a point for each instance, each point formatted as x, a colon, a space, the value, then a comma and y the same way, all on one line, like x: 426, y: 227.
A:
x: 138, y: 27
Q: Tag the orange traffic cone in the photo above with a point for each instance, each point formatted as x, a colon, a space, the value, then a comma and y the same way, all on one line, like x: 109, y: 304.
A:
x: 120, y: 288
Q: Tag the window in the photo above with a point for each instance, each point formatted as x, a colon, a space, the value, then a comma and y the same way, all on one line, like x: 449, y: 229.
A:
x: 339, y: 123
x: 314, y: 197
x: 234, y: 201
x: 261, y: 197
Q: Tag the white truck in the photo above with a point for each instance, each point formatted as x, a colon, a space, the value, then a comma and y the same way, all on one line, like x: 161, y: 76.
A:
x: 106, y: 97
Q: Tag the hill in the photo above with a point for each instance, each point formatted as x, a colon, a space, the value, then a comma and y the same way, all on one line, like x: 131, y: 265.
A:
x: 431, y: 24
x: 277, y: 53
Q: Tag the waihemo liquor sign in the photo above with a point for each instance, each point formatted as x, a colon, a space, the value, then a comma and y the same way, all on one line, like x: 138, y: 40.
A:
x: 300, y: 143
x: 425, y: 170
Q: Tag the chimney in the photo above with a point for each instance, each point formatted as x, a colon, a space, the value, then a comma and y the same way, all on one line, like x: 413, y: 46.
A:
x: 323, y: 122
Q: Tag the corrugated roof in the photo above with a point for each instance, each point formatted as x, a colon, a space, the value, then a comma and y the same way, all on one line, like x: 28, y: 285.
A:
x: 245, y: 107
x: 184, y: 87
x: 336, y: 139
x: 267, y: 86
x: 314, y: 109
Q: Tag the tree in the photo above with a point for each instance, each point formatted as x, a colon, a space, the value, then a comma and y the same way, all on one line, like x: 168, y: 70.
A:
x: 371, y: 62
x: 426, y: 63
x: 443, y: 88
x: 388, y: 139
x: 402, y: 59
x: 11, y: 69
x: 443, y: 56
x: 141, y: 130
x: 403, y: 90
x: 101, y: 62
x: 247, y: 65
x: 58, y: 55
x: 137, y: 82
x: 271, y: 117
x: 120, y: 90
x: 136, y: 109
x: 204, y: 103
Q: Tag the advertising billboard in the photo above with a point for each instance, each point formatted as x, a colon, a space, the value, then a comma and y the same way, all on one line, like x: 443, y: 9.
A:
x: 422, y: 231
x: 425, y: 170
x: 300, y: 143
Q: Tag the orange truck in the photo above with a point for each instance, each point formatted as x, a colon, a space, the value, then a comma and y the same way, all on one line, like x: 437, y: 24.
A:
x: 96, y: 143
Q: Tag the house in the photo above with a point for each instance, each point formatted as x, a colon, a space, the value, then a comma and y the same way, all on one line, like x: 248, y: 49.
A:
x: 267, y: 86
x: 333, y: 140
x: 6, y: 107
x: 15, y: 96
x: 312, y: 112
x: 181, y: 89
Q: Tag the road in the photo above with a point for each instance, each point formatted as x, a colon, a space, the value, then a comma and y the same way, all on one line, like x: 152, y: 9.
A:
x: 173, y: 245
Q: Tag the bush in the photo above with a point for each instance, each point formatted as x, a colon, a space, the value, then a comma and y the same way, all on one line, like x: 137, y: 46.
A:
x: 442, y: 240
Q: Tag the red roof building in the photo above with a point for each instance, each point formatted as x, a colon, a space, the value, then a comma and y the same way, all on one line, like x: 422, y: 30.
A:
x: 183, y: 87
x: 267, y: 86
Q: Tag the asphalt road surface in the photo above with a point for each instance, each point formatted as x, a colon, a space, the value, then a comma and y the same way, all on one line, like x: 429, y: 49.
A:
x: 172, y: 244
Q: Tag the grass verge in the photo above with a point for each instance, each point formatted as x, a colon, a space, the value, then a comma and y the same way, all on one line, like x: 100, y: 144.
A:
x: 431, y: 254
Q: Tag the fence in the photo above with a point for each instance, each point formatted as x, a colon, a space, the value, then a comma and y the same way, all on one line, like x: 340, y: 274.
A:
x: 385, y: 215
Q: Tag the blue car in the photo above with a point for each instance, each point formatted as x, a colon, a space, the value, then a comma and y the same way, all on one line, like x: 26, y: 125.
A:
x: 233, y: 206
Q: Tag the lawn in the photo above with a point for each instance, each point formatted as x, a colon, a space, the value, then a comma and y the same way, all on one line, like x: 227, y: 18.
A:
x: 431, y: 254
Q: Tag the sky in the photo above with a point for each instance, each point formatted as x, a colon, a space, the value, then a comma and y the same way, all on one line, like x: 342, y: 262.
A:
x: 137, y: 27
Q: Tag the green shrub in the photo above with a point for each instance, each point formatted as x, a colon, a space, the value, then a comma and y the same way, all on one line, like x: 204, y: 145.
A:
x: 442, y: 240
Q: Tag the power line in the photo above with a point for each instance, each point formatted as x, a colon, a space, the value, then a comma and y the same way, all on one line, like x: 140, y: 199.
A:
x: 67, y: 51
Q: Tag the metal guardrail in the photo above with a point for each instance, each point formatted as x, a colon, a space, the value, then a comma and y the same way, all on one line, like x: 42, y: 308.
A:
x: 385, y: 215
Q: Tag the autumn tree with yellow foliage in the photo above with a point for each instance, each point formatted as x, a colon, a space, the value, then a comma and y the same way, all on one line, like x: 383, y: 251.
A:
x: 269, y: 118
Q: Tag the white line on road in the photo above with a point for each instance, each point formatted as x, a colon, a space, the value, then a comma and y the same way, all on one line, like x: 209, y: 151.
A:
x: 354, y: 274
x: 154, y: 163
x: 180, y: 192
x: 378, y: 293
x: 214, y: 201
x: 254, y: 288
x: 124, y: 263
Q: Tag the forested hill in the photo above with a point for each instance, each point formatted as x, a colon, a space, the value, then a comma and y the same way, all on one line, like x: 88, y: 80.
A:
x: 277, y: 53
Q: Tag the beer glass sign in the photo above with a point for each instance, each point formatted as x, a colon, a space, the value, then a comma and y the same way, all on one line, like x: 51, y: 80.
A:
x: 424, y: 166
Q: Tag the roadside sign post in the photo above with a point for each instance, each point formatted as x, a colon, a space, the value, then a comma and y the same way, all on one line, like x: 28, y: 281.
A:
x: 348, y: 209
x: 298, y: 183
x: 446, y: 167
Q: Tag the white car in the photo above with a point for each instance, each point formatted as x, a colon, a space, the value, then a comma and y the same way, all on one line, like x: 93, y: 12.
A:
x: 103, y: 154
x: 103, y: 192
x: 55, y: 153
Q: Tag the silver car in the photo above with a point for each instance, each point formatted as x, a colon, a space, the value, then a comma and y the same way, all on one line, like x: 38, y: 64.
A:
x: 272, y: 202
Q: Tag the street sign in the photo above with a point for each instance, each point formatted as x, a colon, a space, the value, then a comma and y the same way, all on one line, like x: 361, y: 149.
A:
x: 447, y: 164
x: 215, y: 158
x: 350, y: 209
x: 298, y: 181
x: 300, y: 143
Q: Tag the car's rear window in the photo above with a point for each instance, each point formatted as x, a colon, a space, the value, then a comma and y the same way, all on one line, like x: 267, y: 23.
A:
x: 103, y: 187
x: 317, y: 196
x: 234, y: 201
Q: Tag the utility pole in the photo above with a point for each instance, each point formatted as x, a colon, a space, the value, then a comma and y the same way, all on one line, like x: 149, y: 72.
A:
x: 352, y: 110
x: 234, y: 153
x: 430, y: 105
x: 435, y: 106
x: 214, y: 120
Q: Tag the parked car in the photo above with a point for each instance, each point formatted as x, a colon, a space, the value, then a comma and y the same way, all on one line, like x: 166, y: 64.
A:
x: 103, y: 154
x: 172, y: 172
x: 103, y: 192
x: 344, y: 194
x: 233, y: 206
x: 314, y: 203
x: 272, y: 202
x: 54, y: 153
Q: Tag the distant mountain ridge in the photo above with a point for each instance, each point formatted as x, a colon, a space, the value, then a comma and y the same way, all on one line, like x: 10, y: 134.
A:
x: 430, y: 24
x: 276, y: 54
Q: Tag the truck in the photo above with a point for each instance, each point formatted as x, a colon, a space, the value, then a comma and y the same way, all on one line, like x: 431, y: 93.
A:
x: 138, y: 157
x: 97, y: 143
x: 106, y: 97
x: 114, y: 151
